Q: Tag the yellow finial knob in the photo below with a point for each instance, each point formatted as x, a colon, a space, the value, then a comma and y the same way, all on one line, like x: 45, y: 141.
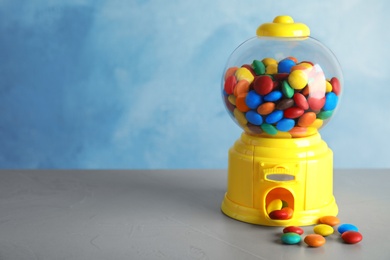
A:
x: 283, y: 26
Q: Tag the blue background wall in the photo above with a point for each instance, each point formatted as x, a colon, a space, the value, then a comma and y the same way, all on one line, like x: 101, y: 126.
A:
x: 136, y: 84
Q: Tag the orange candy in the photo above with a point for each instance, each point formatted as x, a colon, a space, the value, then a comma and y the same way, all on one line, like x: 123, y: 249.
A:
x: 298, y: 67
x: 314, y: 240
x: 298, y: 131
x: 307, y: 119
x: 241, y: 87
x: 266, y: 108
x: 289, y: 211
x: 293, y: 59
x: 240, y: 103
x: 230, y: 71
x: 329, y: 220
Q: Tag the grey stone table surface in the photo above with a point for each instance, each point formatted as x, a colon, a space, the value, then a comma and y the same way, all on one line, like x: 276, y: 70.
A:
x: 168, y: 214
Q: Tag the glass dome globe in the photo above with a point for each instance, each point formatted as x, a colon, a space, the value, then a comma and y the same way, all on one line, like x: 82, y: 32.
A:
x: 282, y: 83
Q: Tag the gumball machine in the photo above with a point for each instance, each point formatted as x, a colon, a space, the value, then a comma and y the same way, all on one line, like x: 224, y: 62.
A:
x: 281, y: 87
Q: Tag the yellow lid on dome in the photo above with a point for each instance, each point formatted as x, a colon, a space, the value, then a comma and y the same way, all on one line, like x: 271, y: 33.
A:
x: 283, y: 26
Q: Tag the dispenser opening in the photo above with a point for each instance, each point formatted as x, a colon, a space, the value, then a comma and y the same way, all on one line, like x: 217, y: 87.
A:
x: 280, y: 204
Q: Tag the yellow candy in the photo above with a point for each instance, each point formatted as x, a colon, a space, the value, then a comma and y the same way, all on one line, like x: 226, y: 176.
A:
x: 276, y: 204
x: 241, y: 119
x: 297, y: 79
x: 271, y: 69
x: 323, y: 230
x: 232, y: 99
x: 317, y: 123
x: 305, y: 64
x: 328, y: 86
x: 269, y: 61
x: 244, y: 73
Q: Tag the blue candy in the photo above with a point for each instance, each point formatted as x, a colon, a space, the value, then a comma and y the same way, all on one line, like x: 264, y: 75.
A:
x: 254, y: 118
x: 285, y: 65
x: 285, y: 124
x: 253, y: 100
x: 346, y: 227
x: 291, y: 238
x: 273, y: 96
x: 331, y: 100
x: 274, y: 117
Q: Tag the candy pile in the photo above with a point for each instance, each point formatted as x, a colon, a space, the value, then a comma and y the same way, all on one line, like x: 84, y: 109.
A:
x: 279, y: 210
x: 349, y: 233
x: 286, y: 96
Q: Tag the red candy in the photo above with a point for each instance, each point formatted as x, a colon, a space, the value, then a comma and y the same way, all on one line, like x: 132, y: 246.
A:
x: 316, y: 103
x: 293, y: 112
x: 240, y: 103
x: 279, y: 214
x: 281, y: 76
x: 282, y: 214
x: 335, y: 85
x: 230, y: 82
x: 352, y: 237
x: 263, y: 85
x: 293, y: 229
x: 301, y: 101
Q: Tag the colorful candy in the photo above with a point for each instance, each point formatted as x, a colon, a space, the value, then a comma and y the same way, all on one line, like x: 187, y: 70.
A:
x: 329, y: 220
x: 285, y: 124
x: 258, y: 67
x: 285, y: 65
x: 291, y: 238
x: 346, y: 227
x: 285, y: 96
x: 293, y: 229
x: 331, y: 100
x: 274, y: 117
x: 291, y: 234
x: 269, y: 129
x: 254, y: 118
x: 274, y: 205
x: 314, y: 240
x: 323, y: 230
x: 263, y: 85
x: 253, y: 100
x: 266, y: 108
x: 297, y: 79
x: 351, y: 237
x: 244, y: 73
x: 279, y: 215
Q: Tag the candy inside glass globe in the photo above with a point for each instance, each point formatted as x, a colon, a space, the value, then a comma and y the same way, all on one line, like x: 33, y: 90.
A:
x: 282, y: 87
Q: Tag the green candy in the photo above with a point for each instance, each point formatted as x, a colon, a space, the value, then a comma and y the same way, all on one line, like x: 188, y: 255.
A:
x: 287, y: 90
x: 258, y: 67
x: 325, y: 114
x: 269, y: 129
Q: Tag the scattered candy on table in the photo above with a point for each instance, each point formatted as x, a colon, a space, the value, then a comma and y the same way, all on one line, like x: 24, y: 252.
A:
x: 323, y: 230
x: 351, y: 237
x: 314, y: 240
x: 348, y: 232
x: 346, y: 227
x: 329, y: 220
x: 286, y: 96
x: 291, y: 238
x: 293, y: 229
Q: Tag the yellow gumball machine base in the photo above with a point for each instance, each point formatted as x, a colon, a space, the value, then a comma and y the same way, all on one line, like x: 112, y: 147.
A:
x: 297, y: 171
